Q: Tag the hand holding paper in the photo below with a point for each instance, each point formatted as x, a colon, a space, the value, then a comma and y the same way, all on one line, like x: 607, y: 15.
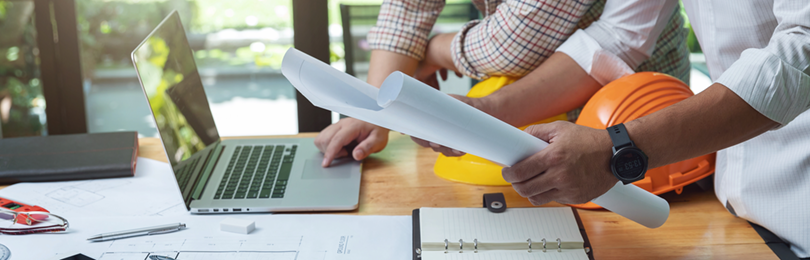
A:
x: 406, y: 105
x: 571, y: 170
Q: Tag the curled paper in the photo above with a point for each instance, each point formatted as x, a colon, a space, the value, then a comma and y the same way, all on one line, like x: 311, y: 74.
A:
x: 409, y: 106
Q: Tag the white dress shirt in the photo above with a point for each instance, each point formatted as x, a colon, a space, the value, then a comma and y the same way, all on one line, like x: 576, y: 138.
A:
x: 761, y: 51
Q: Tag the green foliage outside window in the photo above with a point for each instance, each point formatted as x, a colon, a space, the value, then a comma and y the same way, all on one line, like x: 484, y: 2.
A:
x: 20, y: 86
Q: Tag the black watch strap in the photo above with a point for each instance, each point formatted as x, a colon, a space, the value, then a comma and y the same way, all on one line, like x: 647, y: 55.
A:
x: 618, y: 134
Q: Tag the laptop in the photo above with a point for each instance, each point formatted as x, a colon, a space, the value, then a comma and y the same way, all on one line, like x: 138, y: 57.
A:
x: 234, y: 175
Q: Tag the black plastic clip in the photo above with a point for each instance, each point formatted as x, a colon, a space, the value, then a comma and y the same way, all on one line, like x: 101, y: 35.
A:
x: 495, y: 202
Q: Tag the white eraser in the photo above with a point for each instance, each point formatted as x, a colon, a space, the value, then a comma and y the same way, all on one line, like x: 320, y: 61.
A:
x: 236, y: 225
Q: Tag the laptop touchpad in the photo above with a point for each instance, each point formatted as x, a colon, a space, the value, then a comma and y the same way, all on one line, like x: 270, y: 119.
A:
x: 340, y: 169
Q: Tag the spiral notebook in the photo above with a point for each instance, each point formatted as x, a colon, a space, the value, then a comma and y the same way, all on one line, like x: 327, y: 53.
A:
x: 518, y: 233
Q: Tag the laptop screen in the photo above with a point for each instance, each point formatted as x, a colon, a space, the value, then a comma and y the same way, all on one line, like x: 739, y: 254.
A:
x: 168, y: 74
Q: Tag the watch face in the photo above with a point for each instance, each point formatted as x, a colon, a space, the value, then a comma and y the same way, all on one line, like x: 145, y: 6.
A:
x: 629, y: 163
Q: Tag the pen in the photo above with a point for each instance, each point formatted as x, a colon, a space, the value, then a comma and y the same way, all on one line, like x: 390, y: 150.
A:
x: 148, y: 231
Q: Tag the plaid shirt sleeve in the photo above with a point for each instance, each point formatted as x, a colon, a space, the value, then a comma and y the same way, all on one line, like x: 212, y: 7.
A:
x: 516, y: 38
x: 403, y: 26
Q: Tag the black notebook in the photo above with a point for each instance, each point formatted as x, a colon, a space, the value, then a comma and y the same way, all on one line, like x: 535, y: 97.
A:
x: 517, y: 233
x: 68, y: 157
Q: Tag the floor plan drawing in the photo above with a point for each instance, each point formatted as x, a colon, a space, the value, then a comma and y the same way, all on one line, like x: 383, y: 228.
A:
x: 205, y: 256
x: 276, y: 237
x: 153, y: 182
x: 278, y: 248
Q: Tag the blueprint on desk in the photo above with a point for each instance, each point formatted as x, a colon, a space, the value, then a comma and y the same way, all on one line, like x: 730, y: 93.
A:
x: 152, y: 191
x: 282, y: 237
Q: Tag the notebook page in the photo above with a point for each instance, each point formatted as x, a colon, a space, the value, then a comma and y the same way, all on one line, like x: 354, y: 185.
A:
x: 513, y: 227
x: 506, y: 255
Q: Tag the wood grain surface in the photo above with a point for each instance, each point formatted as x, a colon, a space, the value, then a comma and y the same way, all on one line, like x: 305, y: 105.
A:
x: 400, y: 179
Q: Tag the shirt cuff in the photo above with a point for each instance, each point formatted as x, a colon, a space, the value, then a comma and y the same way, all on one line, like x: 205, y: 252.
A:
x: 600, y: 64
x: 457, y: 52
x: 771, y: 86
x: 400, y: 41
x: 581, y: 47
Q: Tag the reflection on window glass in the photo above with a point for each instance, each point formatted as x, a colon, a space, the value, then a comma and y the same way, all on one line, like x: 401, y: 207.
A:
x: 22, y: 106
x: 238, y: 46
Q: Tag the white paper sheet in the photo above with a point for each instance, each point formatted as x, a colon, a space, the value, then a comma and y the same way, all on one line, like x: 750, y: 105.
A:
x: 152, y: 191
x: 301, y: 237
x: 406, y: 105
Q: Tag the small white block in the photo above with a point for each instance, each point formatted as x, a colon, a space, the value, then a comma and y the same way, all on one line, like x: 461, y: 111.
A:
x: 236, y: 225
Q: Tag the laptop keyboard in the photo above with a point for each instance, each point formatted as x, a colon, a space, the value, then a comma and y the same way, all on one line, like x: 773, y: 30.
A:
x: 257, y: 172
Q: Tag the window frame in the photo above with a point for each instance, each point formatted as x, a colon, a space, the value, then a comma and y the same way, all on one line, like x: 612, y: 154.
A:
x: 60, y: 62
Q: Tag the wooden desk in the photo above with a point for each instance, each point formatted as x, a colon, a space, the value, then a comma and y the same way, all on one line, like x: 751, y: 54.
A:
x: 400, y: 179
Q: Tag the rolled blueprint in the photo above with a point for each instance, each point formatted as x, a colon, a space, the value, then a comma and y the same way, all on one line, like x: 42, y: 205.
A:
x: 409, y: 106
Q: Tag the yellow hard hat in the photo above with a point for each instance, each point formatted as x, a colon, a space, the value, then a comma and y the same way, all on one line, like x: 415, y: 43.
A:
x: 472, y: 169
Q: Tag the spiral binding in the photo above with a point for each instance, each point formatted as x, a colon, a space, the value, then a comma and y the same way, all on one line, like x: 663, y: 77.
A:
x: 475, y: 246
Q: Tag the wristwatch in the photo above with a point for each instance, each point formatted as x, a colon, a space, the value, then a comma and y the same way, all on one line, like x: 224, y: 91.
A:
x: 628, y: 163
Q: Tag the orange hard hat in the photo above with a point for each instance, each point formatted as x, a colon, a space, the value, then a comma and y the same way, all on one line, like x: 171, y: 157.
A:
x: 634, y: 96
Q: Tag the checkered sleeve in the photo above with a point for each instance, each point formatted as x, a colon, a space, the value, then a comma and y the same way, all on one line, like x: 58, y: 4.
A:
x: 403, y: 26
x: 516, y: 38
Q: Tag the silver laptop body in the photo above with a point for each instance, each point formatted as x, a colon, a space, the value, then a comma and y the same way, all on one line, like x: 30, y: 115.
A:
x: 235, y: 175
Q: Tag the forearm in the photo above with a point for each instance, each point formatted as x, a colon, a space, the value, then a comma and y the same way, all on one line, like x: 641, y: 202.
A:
x: 712, y: 120
x: 384, y: 62
x: 559, y: 85
x: 438, y: 51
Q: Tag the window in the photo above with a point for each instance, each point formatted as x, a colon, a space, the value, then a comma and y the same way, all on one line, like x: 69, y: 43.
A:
x: 238, y: 46
x: 22, y: 105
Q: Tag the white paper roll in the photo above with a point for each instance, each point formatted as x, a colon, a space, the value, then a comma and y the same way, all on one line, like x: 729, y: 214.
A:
x: 409, y: 106
x: 636, y: 204
x: 452, y: 123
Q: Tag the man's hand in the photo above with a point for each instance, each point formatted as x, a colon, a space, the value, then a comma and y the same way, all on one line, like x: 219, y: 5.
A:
x: 332, y: 140
x: 573, y: 169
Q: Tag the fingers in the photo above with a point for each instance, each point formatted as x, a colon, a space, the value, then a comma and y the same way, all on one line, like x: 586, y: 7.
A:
x: 544, y: 197
x: 447, y: 151
x: 443, y: 74
x: 420, y: 142
x: 458, y: 74
x: 552, y: 185
x: 539, y: 184
x: 530, y: 178
x: 526, y: 169
x: 375, y: 142
x: 432, y: 81
x: 323, y: 138
x: 335, y: 147
x: 544, y: 131
x: 454, y: 153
